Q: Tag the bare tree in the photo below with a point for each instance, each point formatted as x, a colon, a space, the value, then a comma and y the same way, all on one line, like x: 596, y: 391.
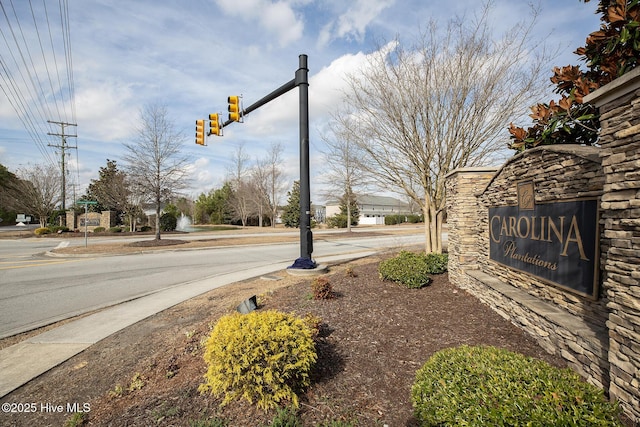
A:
x: 344, y: 172
x: 275, y: 184
x: 241, y: 200
x: 37, y: 191
x: 443, y: 104
x: 155, y: 161
x: 258, y: 183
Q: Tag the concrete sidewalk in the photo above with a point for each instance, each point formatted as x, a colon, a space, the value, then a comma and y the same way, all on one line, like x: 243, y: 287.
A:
x: 28, y: 359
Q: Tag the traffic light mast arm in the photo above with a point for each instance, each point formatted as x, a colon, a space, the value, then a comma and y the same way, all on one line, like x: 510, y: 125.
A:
x: 273, y: 95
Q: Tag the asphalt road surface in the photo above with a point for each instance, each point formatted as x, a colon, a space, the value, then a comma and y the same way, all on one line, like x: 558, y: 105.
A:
x: 36, y: 290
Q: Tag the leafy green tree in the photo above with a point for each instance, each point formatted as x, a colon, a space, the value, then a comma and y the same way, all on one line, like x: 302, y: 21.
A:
x: 7, y: 200
x: 609, y: 53
x: 347, y: 211
x: 168, y: 221
x: 214, y: 207
x: 291, y: 216
x: 111, y: 189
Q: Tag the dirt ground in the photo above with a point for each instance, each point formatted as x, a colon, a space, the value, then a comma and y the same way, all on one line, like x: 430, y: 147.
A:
x: 375, y: 335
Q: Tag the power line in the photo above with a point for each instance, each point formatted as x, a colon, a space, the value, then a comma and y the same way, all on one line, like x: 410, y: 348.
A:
x: 40, y: 92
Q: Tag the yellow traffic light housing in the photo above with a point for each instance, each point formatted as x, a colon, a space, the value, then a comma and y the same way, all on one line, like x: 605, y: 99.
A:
x: 235, y: 108
x: 214, y: 124
x: 200, y: 137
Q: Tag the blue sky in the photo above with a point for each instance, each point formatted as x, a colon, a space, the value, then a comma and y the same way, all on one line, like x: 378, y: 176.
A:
x: 190, y: 55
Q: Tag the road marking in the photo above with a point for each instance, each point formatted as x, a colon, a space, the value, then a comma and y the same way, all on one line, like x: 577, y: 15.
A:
x: 37, y: 263
x: 62, y: 244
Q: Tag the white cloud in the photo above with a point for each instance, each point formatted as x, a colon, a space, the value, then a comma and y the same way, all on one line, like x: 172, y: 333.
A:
x: 352, y: 25
x: 105, y: 110
x: 277, y: 18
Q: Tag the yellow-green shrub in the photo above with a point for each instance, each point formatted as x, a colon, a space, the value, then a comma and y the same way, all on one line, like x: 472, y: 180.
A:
x: 264, y: 357
x: 41, y: 230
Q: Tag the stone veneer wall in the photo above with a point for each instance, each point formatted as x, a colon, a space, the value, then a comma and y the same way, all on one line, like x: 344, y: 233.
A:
x: 563, y: 323
x: 107, y: 220
x: 463, y: 243
x: 619, y: 139
x: 599, y: 339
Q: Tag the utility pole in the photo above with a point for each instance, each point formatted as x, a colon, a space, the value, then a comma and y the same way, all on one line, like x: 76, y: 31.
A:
x: 63, y: 147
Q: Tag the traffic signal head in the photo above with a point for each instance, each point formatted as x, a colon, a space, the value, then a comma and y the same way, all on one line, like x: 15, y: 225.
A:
x: 235, y: 111
x: 200, y: 138
x: 214, y: 124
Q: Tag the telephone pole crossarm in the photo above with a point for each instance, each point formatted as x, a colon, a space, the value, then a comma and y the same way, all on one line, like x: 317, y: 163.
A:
x: 63, y: 147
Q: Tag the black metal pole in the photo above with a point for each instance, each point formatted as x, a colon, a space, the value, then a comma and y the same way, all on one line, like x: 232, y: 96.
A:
x: 306, y: 237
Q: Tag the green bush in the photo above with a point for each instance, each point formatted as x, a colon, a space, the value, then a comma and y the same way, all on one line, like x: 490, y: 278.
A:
x: 414, y: 219
x: 401, y: 219
x: 261, y: 356
x: 58, y: 229
x: 413, y: 269
x: 41, y: 230
x: 393, y: 219
x: 168, y: 221
x: 286, y: 417
x: 99, y: 230
x: 115, y: 230
x: 488, y: 386
x: 146, y: 228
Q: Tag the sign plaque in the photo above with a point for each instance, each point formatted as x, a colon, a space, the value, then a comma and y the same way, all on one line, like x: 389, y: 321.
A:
x: 557, y: 242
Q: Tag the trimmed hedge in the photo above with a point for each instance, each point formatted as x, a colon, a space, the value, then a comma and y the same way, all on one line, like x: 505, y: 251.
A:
x: 488, y: 386
x: 413, y: 269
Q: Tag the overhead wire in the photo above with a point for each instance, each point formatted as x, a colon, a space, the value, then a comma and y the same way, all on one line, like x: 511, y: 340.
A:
x: 21, y: 101
x: 23, y: 77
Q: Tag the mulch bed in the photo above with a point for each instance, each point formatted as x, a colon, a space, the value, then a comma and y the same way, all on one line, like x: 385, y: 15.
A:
x: 375, y: 336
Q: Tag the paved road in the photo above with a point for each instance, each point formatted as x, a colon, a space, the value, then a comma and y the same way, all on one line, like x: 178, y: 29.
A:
x: 36, y: 290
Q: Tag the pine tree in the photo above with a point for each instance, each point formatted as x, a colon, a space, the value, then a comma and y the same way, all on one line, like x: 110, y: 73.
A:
x: 291, y: 217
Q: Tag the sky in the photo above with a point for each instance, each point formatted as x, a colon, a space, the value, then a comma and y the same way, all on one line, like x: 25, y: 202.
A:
x: 96, y: 63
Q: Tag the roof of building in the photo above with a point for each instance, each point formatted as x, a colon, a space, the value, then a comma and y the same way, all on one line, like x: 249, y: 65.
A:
x: 366, y: 199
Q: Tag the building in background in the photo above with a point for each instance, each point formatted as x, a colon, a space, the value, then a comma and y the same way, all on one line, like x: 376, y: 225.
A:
x: 373, y: 209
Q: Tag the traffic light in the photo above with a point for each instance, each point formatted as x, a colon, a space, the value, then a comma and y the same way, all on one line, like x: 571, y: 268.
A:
x: 214, y: 124
x: 200, y: 138
x: 235, y: 109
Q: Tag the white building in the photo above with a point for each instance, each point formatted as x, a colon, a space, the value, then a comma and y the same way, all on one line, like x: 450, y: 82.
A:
x: 373, y: 209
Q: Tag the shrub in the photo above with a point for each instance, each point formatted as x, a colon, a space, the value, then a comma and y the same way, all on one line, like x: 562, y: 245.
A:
x: 168, y: 221
x: 351, y: 272
x: 286, y: 417
x: 99, y: 230
x: 414, y: 219
x: 261, y: 356
x: 486, y: 386
x: 412, y: 269
x: 58, y: 229
x: 146, y: 228
x: 322, y: 288
x: 393, y: 219
x: 41, y: 230
x: 115, y: 230
x: 340, y: 221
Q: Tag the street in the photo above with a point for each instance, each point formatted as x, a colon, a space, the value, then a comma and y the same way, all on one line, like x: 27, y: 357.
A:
x: 36, y: 290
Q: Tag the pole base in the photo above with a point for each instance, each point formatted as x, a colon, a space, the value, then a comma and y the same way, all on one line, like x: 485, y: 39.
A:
x: 303, y: 264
